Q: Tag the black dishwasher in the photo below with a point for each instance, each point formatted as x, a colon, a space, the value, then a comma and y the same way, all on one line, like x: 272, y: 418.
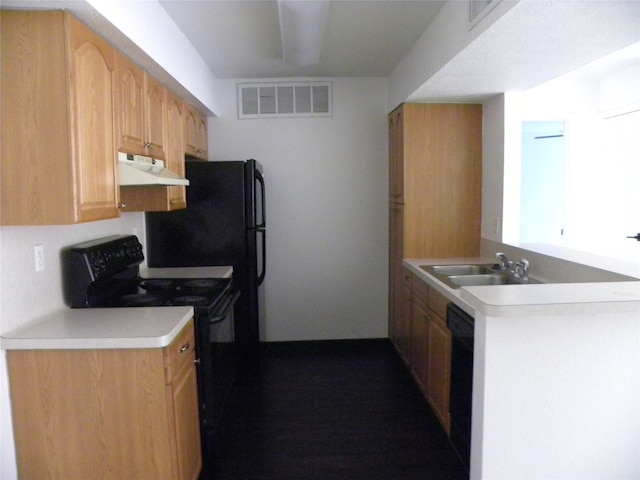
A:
x: 461, y: 325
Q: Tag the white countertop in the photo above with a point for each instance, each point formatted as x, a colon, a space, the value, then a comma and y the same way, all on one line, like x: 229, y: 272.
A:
x: 101, y: 328
x: 533, y: 299
x: 135, y: 327
x: 187, y: 272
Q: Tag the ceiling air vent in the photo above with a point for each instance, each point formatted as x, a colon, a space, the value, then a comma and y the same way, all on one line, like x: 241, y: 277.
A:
x: 276, y: 100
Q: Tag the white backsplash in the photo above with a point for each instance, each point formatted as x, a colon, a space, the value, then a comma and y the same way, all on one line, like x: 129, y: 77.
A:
x: 563, y: 265
x: 26, y: 294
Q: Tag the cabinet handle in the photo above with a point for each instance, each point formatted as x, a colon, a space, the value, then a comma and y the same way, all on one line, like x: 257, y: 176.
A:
x: 185, y: 347
x: 148, y: 145
x: 122, y: 205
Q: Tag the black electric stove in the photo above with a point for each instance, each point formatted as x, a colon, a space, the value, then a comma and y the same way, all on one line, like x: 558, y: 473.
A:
x: 105, y: 273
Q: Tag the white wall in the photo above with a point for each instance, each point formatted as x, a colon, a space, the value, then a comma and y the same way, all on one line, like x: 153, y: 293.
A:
x: 27, y: 295
x: 326, y: 186
x: 559, y: 395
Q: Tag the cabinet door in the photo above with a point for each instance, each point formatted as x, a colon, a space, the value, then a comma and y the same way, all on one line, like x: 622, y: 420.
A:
x: 419, y: 342
x: 89, y: 414
x: 403, y: 322
x: 439, y: 368
x: 202, y: 145
x: 195, y: 126
x: 184, y: 398
x: 191, y: 132
x: 396, y: 156
x: 94, y: 156
x: 443, y: 179
x: 395, y: 268
x: 175, y: 150
x: 129, y: 106
x: 155, y: 118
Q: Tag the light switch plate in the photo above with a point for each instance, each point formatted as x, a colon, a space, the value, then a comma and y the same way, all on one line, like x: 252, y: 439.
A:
x: 39, y: 257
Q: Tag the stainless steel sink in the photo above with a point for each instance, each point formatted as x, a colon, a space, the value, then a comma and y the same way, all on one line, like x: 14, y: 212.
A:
x: 461, y: 269
x: 490, y: 279
x: 468, y: 275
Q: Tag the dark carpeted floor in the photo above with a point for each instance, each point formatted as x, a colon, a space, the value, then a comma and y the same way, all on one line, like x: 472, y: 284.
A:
x: 332, y: 411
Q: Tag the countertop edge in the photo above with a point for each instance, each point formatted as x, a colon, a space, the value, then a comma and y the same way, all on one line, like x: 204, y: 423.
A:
x: 23, y: 338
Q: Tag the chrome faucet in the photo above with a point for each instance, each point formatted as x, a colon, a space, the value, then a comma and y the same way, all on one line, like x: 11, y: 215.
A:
x: 503, y: 261
x: 518, y: 270
x: 521, y: 270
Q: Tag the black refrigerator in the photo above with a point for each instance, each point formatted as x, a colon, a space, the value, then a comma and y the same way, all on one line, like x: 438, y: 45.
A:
x: 223, y: 224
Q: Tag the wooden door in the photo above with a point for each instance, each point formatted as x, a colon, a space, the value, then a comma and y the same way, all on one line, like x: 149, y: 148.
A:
x: 202, y: 139
x: 155, y: 118
x: 191, y: 132
x: 439, y: 368
x: 129, y: 107
x: 396, y: 220
x: 91, y: 67
x: 419, y: 342
x: 396, y: 156
x: 175, y: 150
x: 443, y: 180
x: 184, y: 398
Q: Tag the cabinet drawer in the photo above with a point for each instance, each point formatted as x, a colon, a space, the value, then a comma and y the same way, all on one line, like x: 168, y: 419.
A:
x: 420, y: 289
x: 179, y: 352
x: 438, y: 303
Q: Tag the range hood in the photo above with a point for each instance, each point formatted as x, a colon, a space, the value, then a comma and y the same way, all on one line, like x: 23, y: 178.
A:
x: 138, y: 170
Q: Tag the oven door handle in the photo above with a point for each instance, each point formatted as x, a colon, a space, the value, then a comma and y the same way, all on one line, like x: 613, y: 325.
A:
x: 225, y: 308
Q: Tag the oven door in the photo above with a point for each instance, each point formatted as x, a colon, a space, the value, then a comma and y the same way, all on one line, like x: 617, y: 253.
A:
x: 216, y: 359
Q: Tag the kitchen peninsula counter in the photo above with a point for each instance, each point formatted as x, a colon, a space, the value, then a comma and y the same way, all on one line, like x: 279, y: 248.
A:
x: 100, y: 328
x: 556, y: 376
x: 548, y: 297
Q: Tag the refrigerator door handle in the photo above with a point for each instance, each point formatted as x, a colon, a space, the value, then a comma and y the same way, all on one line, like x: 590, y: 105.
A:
x: 263, y: 270
x: 262, y: 220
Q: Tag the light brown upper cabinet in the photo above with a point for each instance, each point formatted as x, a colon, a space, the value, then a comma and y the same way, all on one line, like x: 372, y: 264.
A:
x: 177, y: 195
x: 129, y: 107
x: 436, y: 175
x: 155, y: 117
x: 163, y: 198
x: 196, y: 141
x: 396, y: 156
x: 58, y: 162
x: 140, y: 111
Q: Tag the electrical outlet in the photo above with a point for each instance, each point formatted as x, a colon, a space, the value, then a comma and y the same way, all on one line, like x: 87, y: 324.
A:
x: 39, y: 257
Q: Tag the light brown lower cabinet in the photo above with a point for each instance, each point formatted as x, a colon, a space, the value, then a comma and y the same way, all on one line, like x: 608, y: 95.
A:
x: 107, y: 414
x: 429, y: 358
x: 439, y: 365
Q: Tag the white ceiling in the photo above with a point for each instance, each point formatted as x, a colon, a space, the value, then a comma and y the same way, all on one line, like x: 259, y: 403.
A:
x: 533, y: 42
x: 241, y: 39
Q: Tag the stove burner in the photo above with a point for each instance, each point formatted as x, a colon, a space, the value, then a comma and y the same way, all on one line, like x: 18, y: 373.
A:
x: 155, y: 283
x: 201, y: 283
x: 140, y: 299
x: 190, y: 300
